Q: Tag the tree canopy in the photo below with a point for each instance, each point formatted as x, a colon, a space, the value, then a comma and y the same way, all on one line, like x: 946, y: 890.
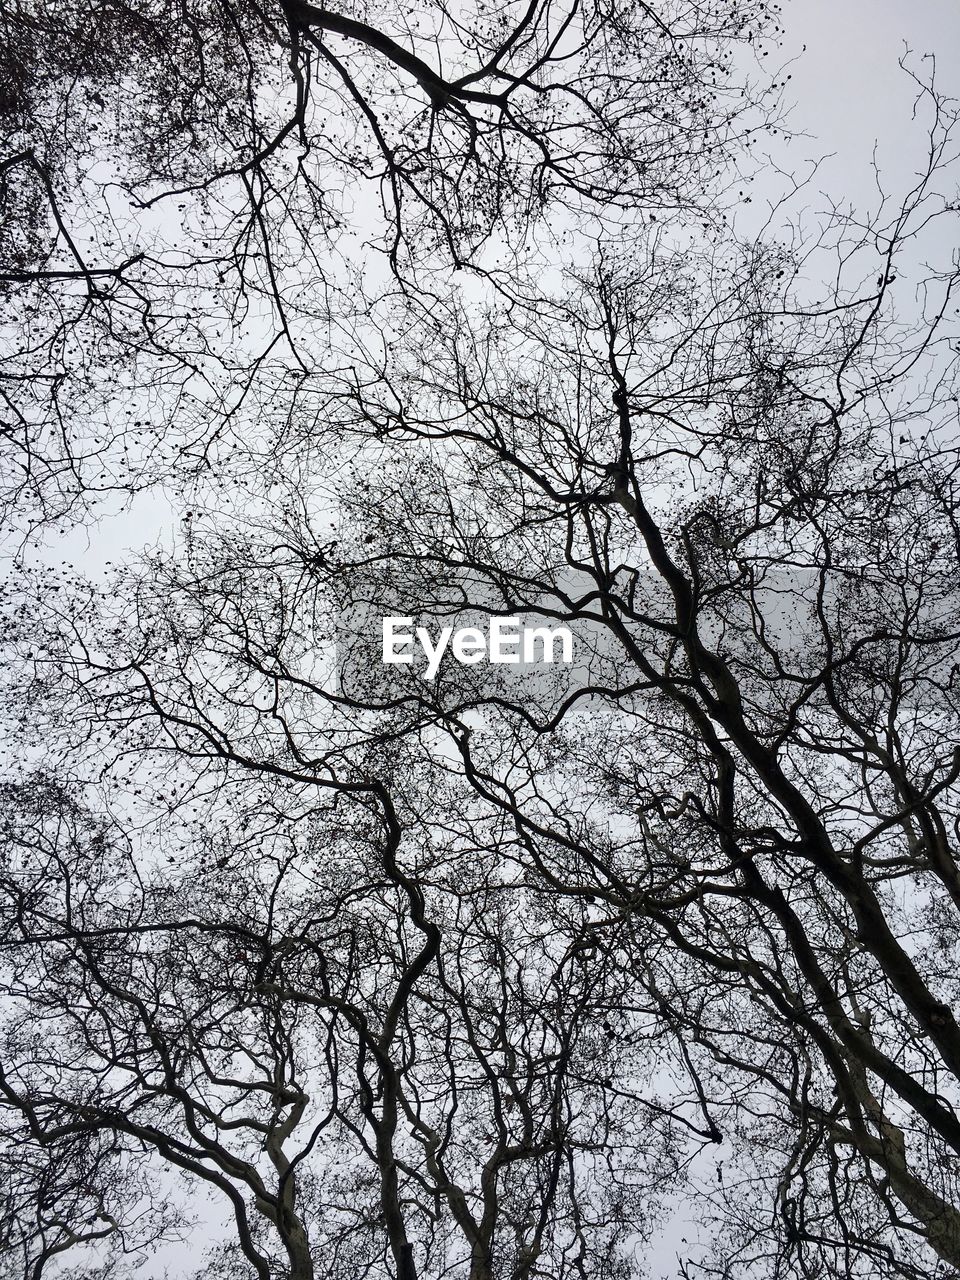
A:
x: 314, y: 966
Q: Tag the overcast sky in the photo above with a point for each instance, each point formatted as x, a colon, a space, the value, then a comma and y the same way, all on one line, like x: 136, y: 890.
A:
x: 849, y: 93
x: 848, y: 88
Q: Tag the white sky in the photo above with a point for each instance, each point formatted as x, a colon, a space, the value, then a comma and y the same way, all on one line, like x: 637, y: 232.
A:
x: 849, y: 94
x: 847, y: 85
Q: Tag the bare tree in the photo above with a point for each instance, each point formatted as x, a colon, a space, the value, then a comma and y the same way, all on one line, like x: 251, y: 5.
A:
x: 355, y: 1060
x: 180, y: 186
x: 468, y: 976
x: 748, y: 498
